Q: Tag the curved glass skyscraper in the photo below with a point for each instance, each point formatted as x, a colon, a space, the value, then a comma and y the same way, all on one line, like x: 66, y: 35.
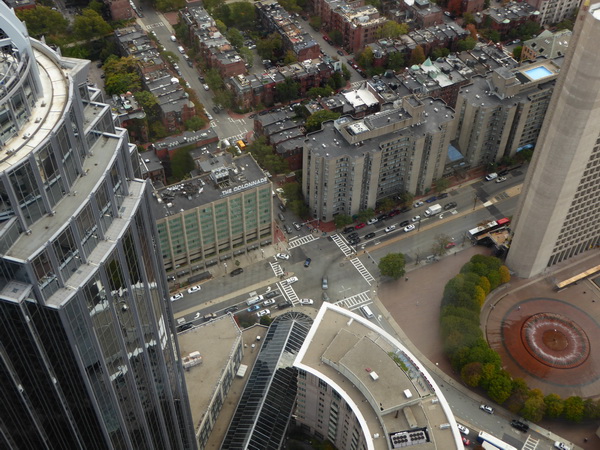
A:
x: 88, y: 354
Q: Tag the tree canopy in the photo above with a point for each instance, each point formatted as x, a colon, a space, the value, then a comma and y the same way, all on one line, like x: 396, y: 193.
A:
x: 392, y: 265
x: 43, y: 21
x: 90, y: 24
x: 314, y: 121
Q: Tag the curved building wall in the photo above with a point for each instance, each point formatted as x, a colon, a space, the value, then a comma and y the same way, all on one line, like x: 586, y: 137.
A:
x: 89, y: 355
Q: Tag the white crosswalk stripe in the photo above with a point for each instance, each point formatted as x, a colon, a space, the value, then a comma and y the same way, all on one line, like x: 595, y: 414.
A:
x: 276, y: 268
x: 356, y: 301
x: 362, y: 270
x: 341, y: 243
x: 530, y: 443
x: 289, y: 293
x: 301, y: 240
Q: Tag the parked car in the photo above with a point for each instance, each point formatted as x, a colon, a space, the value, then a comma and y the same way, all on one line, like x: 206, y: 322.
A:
x: 253, y: 308
x: 205, y: 86
x: 185, y: 326
x: 360, y: 225
x: 488, y: 409
x: 176, y: 296
x: 464, y: 430
x: 416, y: 219
x: 393, y: 213
x: 404, y: 223
x: 450, y: 205
x: 500, y: 179
x: 353, y: 235
x: 372, y: 221
x: 283, y: 256
x: 231, y: 309
x: 354, y: 241
x: 491, y: 176
x: 431, y: 199
x: 290, y: 280
x: 297, y: 225
x: 287, y: 229
x: 519, y: 425
x: 409, y: 228
x: 307, y: 262
x: 269, y: 302
x: 264, y: 312
x: 236, y: 272
x: 341, y: 53
x: 383, y: 217
x: 390, y: 228
x: 173, y: 38
x: 306, y: 301
x: 450, y: 245
x: 324, y: 283
x: 348, y: 230
x: 465, y: 441
x: 417, y: 204
x: 561, y: 446
x: 369, y: 236
x: 271, y: 294
x: 194, y: 289
x: 442, y: 195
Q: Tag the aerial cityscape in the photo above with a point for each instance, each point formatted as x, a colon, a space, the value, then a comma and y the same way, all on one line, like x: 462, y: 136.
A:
x: 235, y: 224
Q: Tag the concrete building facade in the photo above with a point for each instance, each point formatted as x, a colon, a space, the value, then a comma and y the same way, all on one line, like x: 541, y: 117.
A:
x: 89, y: 352
x: 350, y: 165
x: 558, y: 215
x: 554, y: 11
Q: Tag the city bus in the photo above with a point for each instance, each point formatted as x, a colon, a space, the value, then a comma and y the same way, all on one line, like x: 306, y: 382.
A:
x: 501, y: 445
x: 490, y: 226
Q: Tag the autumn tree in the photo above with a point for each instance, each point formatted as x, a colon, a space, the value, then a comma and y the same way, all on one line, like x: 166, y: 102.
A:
x: 417, y: 56
x: 365, y: 58
x: 534, y: 407
x: 472, y: 29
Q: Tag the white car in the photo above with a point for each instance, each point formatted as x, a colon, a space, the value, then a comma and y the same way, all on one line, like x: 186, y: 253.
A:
x: 173, y: 38
x: 390, y: 228
x: 271, y: 301
x: 491, y: 176
x: 205, y: 86
x: 409, y: 228
x: 487, y: 409
x: 306, y: 301
x: 176, y: 296
x: 500, y: 180
x: 464, y: 430
x: 283, y: 256
x: 372, y: 221
x: 561, y: 446
x: 416, y: 218
x: 417, y: 204
x: 194, y: 289
x: 264, y: 312
x: 290, y: 280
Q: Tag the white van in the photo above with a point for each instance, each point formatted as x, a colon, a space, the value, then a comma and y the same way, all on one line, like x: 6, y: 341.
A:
x: 254, y: 300
x: 367, y: 312
x: 181, y: 49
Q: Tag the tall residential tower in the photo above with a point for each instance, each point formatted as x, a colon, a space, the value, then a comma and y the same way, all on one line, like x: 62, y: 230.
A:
x: 559, y: 212
x: 88, y: 354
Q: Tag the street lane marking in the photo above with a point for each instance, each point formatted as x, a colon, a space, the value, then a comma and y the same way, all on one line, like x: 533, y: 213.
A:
x: 341, y: 243
x: 362, y: 270
x: 300, y: 240
x: 356, y: 301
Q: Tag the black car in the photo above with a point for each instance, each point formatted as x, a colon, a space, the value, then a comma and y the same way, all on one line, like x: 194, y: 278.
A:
x: 185, y: 326
x: 283, y: 305
x: 201, y: 79
x: 442, y: 195
x: 405, y: 209
x: 236, y: 272
x: 369, y: 236
x: 353, y: 235
x: 404, y: 223
x: 354, y: 241
x: 348, y: 230
x: 519, y: 425
x: 341, y: 53
x: 431, y: 199
x: 383, y: 217
x: 307, y: 262
x: 450, y: 205
x: 503, y: 173
x: 231, y: 309
x: 271, y: 294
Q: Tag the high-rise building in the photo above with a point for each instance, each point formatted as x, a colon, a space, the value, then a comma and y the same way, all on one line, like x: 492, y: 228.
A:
x: 559, y: 212
x: 554, y: 11
x: 89, y: 358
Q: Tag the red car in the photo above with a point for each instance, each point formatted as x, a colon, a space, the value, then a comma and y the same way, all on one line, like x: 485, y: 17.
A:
x: 450, y: 245
x: 360, y: 225
x: 466, y: 441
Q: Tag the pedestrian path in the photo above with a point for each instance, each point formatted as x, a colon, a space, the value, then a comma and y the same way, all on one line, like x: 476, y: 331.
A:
x: 530, y: 443
x: 277, y: 268
x: 289, y: 293
x: 300, y: 240
x: 341, y: 243
x: 362, y: 270
x: 355, y: 302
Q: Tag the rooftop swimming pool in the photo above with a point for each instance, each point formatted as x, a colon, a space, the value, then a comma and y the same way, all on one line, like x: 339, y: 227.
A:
x: 537, y: 73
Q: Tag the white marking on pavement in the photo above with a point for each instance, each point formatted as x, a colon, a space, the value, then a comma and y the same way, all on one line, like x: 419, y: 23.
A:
x: 356, y: 301
x: 362, y: 270
x: 300, y: 240
x: 289, y: 293
x: 276, y: 268
x: 341, y: 243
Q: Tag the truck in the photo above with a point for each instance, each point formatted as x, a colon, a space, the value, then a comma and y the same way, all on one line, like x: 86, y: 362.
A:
x: 433, y: 210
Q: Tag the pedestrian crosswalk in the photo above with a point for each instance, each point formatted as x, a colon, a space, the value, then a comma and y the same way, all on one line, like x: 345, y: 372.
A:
x: 362, y: 270
x: 300, y: 240
x: 289, y: 293
x: 530, y: 443
x: 356, y: 301
x: 341, y: 243
x: 277, y: 268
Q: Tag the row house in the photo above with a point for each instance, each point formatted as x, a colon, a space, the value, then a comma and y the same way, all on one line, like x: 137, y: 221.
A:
x: 132, y: 41
x: 423, y: 13
x: 173, y: 101
x: 510, y: 16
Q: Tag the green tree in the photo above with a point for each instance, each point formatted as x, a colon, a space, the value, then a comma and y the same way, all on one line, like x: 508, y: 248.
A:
x: 181, y: 164
x: 314, y: 121
x: 392, y: 265
x: 96, y: 6
x: 395, y: 61
x: 406, y: 198
x: 90, y: 24
x: 392, y: 30
x: 591, y: 409
x: 266, y: 320
x: 346, y: 72
x: 288, y: 90
x: 417, y: 56
x: 573, y: 409
x: 43, y: 21
x: 365, y: 58
x: 214, y: 80
x: 534, y: 407
x: 467, y: 43
x: 212, y: 5
x: 319, y: 92
x: 566, y: 24
x: 386, y: 204
x: 517, y: 51
x: 242, y: 15
x: 157, y: 130
x: 147, y: 101
x: 554, y: 406
x: 439, y: 52
x: 365, y: 215
x: 315, y: 22
x: 439, y: 244
x: 441, y: 184
x: 337, y: 37
x: 269, y: 47
x: 247, y: 55
x: 235, y: 37
x: 468, y: 18
x: 120, y: 83
x: 471, y: 374
x: 528, y: 29
x: 194, y: 123
x: 518, y: 396
x: 289, y: 58
x: 341, y: 220
x: 290, y: 6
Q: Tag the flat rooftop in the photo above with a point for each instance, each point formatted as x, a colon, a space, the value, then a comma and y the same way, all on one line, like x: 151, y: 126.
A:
x: 346, y: 350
